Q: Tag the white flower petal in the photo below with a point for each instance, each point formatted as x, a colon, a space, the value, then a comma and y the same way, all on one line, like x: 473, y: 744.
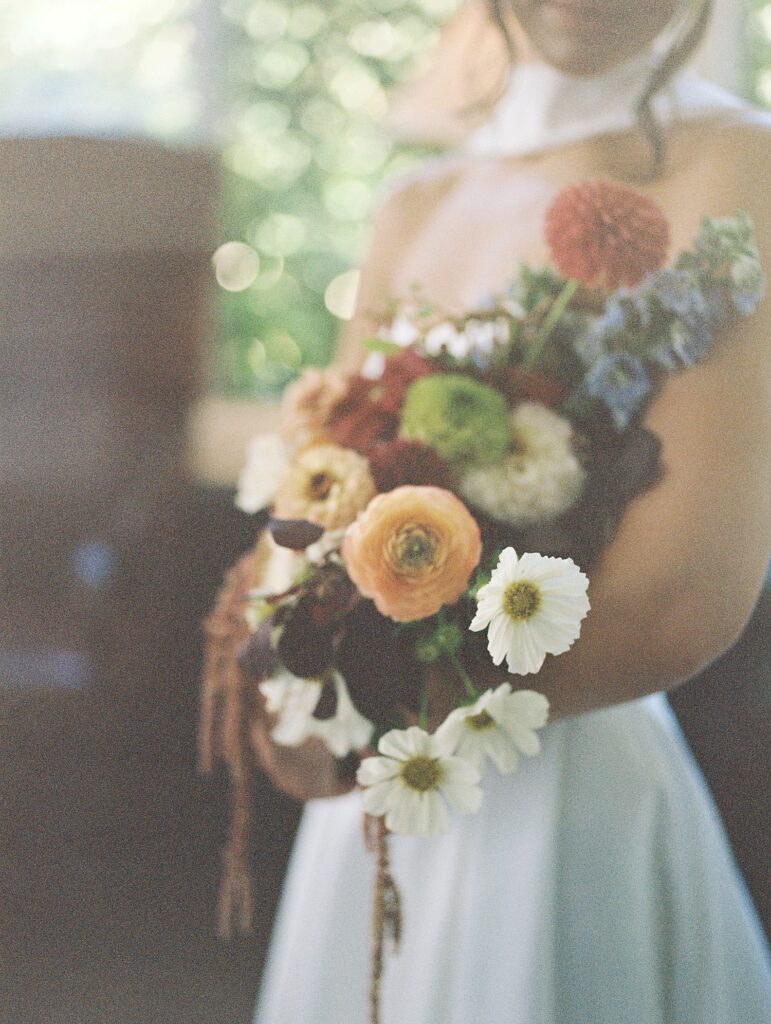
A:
x: 435, y: 814
x: 526, y: 740
x: 405, y: 743
x: 524, y: 656
x: 417, y: 814
x: 373, y: 770
x: 526, y: 707
x: 292, y: 729
x: 286, y: 692
x: 378, y: 799
x: 465, y: 797
x: 508, y: 561
x: 471, y: 748
x: 449, y: 733
x: 347, y: 730
x: 501, y: 750
x: 456, y: 769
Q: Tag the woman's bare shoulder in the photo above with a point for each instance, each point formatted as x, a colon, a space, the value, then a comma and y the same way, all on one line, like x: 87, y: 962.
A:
x: 416, y: 191
x: 718, y: 168
x: 735, y: 155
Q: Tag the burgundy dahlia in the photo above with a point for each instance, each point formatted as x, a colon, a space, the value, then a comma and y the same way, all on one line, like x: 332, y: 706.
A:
x: 398, y: 462
x: 369, y: 413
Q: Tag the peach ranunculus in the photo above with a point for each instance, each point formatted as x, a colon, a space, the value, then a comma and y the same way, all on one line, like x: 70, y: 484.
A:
x: 412, y: 551
x: 308, y: 403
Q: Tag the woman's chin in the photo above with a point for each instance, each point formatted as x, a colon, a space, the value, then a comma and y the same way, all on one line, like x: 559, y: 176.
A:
x: 588, y: 38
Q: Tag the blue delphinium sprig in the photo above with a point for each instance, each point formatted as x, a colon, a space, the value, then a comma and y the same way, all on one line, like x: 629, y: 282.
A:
x: 621, y: 382
x: 671, y: 317
x: 725, y: 255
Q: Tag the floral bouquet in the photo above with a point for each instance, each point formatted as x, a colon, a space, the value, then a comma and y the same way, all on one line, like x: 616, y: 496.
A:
x: 386, y: 583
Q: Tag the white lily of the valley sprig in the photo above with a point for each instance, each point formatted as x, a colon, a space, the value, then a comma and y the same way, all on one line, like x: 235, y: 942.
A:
x: 401, y: 331
x: 532, y: 606
x: 500, y: 725
x: 411, y: 779
x: 267, y: 460
x: 445, y: 337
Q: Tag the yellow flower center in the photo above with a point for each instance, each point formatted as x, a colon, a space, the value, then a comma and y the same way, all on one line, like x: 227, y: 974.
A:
x: 415, y: 547
x: 521, y: 600
x: 422, y: 773
x: 319, y: 486
x: 480, y: 721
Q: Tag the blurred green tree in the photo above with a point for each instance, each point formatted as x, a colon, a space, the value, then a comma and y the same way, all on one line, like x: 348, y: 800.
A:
x: 757, y: 69
x: 305, y: 89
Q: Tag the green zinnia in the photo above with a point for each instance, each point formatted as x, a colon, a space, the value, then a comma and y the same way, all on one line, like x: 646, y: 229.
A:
x: 467, y: 423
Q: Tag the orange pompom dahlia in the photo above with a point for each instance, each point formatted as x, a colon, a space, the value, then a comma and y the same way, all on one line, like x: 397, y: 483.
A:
x: 412, y: 551
x: 604, y: 234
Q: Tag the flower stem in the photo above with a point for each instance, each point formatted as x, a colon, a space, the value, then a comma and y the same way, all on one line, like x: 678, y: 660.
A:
x: 465, y: 678
x: 549, y: 322
x: 423, y: 713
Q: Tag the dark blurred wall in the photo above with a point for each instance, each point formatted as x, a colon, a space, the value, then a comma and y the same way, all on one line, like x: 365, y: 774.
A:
x: 104, y: 315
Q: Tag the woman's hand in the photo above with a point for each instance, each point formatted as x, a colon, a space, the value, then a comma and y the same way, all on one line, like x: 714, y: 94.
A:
x: 307, y: 772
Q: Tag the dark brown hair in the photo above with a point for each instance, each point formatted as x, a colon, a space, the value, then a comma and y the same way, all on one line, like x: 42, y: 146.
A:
x: 690, y: 34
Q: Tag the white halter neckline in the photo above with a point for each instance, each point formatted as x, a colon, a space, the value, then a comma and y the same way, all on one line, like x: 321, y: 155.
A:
x: 543, y: 108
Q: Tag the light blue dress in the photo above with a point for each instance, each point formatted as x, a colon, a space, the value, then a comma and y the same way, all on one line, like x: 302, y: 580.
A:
x: 595, y: 886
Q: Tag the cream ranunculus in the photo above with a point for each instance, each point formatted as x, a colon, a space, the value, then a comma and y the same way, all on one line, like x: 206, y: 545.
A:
x: 411, y: 780
x: 532, y: 606
x: 327, y: 485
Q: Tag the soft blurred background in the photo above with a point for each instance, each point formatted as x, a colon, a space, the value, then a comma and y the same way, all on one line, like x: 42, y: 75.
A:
x: 184, y: 192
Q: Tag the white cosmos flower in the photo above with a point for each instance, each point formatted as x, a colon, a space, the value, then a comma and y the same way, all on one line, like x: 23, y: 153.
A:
x: 408, y: 782
x: 267, y: 460
x: 346, y: 730
x: 532, y: 606
x: 500, y: 725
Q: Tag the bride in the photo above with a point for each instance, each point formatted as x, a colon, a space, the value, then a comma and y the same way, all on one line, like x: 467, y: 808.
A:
x: 595, y: 886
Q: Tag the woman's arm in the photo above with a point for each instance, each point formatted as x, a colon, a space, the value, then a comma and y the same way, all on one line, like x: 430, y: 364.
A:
x: 676, y: 586
x: 678, y: 583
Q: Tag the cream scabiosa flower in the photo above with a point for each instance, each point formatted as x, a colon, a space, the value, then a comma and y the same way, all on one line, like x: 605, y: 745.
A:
x: 536, y: 482
x: 532, y: 606
x: 408, y: 782
x: 500, y: 725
